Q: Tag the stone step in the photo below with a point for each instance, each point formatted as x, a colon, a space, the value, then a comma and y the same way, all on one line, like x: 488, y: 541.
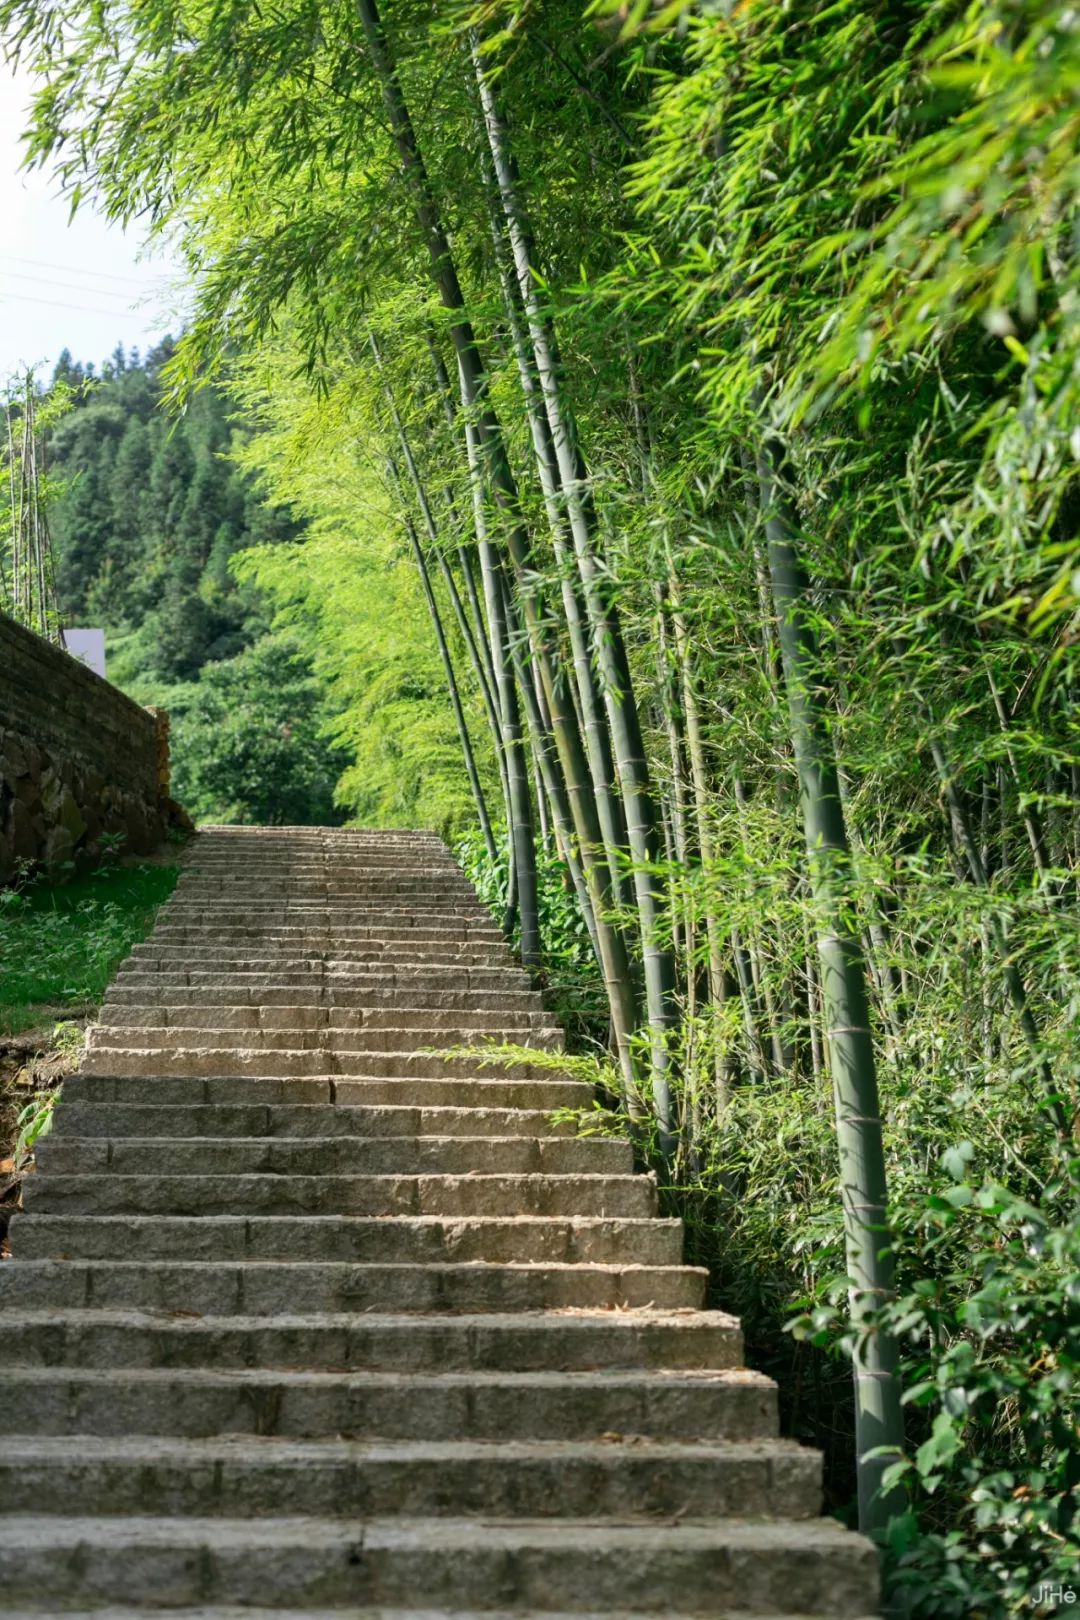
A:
x: 331, y: 880
x: 427, y: 885
x: 404, y: 855
x: 185, y: 912
x: 374, y: 1091
x: 294, y: 1063
x: 332, y: 966
x: 425, y: 907
x: 404, y: 1239
x: 469, y: 1194
x: 384, y: 933
x: 316, y: 1037
x: 573, y: 1340
x: 717, y: 1405
x: 226, y: 1015
x: 265, y: 1288
x: 332, y: 956
x: 333, y: 877
x: 324, y: 972
x: 431, y: 941
x: 243, y: 1477
x: 79, y: 1119
x: 344, y: 879
x: 408, y: 860
x: 348, y: 946
x: 257, y: 991
x: 276, y: 940
x: 334, y: 1155
x: 404, y: 858
x: 694, y: 1567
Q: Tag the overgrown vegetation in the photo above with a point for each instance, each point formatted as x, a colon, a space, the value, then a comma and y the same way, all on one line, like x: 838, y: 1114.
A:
x: 715, y: 368
x: 61, y: 942
x: 62, y: 938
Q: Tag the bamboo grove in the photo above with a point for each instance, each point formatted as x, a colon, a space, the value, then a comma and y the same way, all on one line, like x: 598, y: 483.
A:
x: 716, y: 368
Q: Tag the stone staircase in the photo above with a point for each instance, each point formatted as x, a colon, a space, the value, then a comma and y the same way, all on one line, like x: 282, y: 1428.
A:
x: 304, y: 1320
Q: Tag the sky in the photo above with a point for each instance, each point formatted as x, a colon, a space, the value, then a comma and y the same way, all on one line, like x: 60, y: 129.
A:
x: 82, y: 285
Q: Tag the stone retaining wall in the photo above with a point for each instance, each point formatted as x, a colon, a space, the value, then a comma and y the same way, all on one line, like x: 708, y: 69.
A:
x: 77, y: 758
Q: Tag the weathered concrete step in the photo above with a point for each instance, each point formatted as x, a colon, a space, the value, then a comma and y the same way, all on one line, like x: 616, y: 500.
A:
x: 316, y: 1038
x: 235, y: 920
x: 431, y: 1022
x: 470, y: 1194
x: 323, y: 972
x: 699, y: 1567
x: 436, y: 902
x: 187, y: 910
x: 242, y: 1477
x: 277, y: 947
x: 334, y: 1155
x: 322, y: 879
x: 336, y: 873
x: 448, y: 937
x: 355, y: 943
x: 726, y: 1405
x: 335, y: 966
x: 263, y: 1288
x: 408, y: 1239
x: 425, y: 898
x: 402, y: 855
x: 79, y: 1119
x: 405, y: 859
x: 329, y: 866
x: 151, y: 1086
x: 294, y: 1063
x: 276, y: 940
x: 575, y: 1340
x: 151, y: 990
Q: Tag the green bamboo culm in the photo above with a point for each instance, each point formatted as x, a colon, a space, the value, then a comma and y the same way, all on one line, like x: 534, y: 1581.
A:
x: 879, y: 1427
x: 624, y: 725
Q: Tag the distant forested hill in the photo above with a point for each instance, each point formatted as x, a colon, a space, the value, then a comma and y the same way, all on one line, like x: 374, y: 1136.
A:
x: 149, y: 509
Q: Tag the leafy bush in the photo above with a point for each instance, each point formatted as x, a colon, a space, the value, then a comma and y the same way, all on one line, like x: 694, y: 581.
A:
x: 33, y: 1123
x: 992, y: 1362
x: 572, y: 986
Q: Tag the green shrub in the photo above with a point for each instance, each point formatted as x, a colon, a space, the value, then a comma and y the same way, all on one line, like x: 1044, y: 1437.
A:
x: 573, y: 988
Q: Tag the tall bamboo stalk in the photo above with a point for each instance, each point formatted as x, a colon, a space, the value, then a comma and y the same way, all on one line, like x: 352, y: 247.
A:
x: 451, y: 675
x: 565, y: 729
x: 590, y: 702
x: 878, y: 1418
x: 623, y: 719
x: 429, y: 595
x: 521, y: 823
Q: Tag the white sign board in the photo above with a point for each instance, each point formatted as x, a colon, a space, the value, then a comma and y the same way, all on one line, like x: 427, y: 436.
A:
x: 88, y: 646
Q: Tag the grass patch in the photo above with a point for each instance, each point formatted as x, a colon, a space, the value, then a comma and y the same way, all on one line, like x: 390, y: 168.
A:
x: 60, y: 944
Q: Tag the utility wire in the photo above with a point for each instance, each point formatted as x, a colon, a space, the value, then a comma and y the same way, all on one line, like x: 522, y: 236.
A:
x: 74, y: 286
x: 68, y: 269
x: 54, y: 303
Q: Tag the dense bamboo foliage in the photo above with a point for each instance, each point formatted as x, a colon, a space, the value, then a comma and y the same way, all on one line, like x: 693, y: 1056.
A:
x: 716, y: 368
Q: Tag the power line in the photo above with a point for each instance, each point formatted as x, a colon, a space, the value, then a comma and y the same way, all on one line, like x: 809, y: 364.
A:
x: 74, y: 286
x: 53, y: 303
x: 98, y: 275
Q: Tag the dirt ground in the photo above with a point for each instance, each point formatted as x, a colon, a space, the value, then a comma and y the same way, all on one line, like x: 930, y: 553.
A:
x: 29, y: 1064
